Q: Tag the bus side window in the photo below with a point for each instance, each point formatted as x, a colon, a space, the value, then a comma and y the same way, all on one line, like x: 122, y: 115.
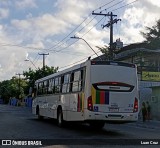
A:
x: 61, y: 83
x: 50, y: 85
x: 68, y: 82
x: 57, y: 84
x: 37, y: 89
x: 45, y: 87
x: 40, y: 88
x: 53, y: 86
x: 76, y: 81
x: 34, y: 94
x: 71, y: 82
x: 65, y: 85
x: 81, y: 80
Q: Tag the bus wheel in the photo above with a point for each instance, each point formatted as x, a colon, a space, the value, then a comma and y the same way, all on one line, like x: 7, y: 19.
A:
x: 97, y: 124
x: 38, y: 114
x: 60, y: 117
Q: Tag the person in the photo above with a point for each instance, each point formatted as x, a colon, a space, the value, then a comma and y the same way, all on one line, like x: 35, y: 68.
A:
x: 144, y: 111
x: 148, y: 107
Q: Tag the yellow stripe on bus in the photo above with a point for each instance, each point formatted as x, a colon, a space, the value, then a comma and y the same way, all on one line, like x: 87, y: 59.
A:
x: 93, y: 93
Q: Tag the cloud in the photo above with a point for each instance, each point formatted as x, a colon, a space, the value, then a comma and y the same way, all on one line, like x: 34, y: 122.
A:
x: 135, y: 18
x: 21, y: 4
x: 43, y: 28
x: 4, y: 13
x: 73, y: 11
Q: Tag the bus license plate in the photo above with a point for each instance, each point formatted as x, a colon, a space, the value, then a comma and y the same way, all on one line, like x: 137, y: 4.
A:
x: 114, y: 109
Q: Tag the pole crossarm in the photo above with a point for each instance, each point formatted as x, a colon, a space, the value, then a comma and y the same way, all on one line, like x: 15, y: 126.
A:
x: 87, y: 44
x: 108, y: 14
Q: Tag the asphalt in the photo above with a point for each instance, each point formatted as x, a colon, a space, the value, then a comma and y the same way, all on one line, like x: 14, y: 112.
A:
x: 151, y: 124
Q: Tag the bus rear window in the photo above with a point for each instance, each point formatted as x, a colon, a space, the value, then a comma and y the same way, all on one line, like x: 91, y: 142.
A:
x: 113, y: 86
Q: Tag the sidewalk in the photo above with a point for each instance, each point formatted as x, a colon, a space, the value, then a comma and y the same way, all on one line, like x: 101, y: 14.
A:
x: 152, y: 124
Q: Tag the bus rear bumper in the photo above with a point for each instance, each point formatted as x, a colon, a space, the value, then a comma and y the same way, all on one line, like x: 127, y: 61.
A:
x: 113, y: 117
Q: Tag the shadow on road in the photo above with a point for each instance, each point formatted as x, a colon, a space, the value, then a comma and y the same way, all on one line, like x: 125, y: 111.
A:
x: 81, y: 128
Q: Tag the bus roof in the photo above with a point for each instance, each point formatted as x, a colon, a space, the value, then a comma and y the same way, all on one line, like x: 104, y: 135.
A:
x: 115, y: 63
x: 62, y: 72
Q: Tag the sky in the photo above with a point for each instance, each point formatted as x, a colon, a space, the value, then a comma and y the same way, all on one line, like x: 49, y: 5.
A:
x: 29, y: 28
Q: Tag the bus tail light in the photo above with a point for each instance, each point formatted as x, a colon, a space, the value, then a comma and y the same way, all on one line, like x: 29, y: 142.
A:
x: 135, y: 105
x: 90, y: 104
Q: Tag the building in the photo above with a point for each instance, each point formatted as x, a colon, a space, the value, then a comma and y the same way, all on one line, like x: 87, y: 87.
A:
x: 155, y: 102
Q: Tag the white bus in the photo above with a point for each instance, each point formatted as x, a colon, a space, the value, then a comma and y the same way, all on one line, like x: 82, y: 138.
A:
x: 94, y: 91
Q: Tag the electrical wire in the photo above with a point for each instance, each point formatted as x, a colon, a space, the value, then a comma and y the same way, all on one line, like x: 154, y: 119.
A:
x: 55, y: 46
x: 124, y: 5
x: 77, y: 28
x: 82, y: 35
x: 78, y: 61
x: 112, y: 6
x: 104, y: 5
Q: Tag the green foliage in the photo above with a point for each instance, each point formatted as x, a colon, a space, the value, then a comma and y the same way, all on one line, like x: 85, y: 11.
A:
x: 10, y: 88
x: 152, y: 36
x: 105, y: 51
x: 32, y: 75
x: 15, y: 86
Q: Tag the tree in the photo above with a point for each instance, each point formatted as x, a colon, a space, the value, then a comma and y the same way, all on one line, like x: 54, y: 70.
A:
x: 105, y: 51
x: 152, y: 36
x: 32, y: 75
x: 10, y: 88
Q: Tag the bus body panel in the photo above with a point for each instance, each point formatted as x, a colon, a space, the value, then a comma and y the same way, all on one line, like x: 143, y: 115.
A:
x: 113, y: 90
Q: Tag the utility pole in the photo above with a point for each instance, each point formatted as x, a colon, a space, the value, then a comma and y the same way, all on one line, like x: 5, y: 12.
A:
x: 19, y: 85
x: 110, y: 24
x: 43, y: 59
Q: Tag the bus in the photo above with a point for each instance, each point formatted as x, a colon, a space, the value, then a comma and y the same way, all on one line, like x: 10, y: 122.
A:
x: 95, y: 92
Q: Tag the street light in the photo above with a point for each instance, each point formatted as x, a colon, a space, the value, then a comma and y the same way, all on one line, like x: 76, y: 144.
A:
x: 87, y: 44
x: 31, y: 62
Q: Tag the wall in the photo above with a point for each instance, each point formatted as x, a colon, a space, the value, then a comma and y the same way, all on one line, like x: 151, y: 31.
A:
x: 155, y: 103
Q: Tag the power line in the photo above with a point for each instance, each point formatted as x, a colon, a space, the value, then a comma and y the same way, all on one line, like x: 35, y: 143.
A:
x: 87, y: 44
x: 104, y: 5
x: 112, y: 6
x: 124, y: 5
x: 81, y: 36
x: 25, y: 47
x: 76, y: 28
x: 99, y: 21
x: 69, y: 33
x: 12, y: 45
x: 56, y: 46
x: 78, y: 61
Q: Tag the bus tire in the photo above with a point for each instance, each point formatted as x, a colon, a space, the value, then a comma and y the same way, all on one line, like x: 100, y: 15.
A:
x: 38, y: 114
x: 60, y: 120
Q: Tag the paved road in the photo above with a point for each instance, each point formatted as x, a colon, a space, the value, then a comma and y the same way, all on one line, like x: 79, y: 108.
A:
x: 19, y: 123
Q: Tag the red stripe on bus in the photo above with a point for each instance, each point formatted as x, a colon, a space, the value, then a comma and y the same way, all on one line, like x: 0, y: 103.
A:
x: 102, y: 97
